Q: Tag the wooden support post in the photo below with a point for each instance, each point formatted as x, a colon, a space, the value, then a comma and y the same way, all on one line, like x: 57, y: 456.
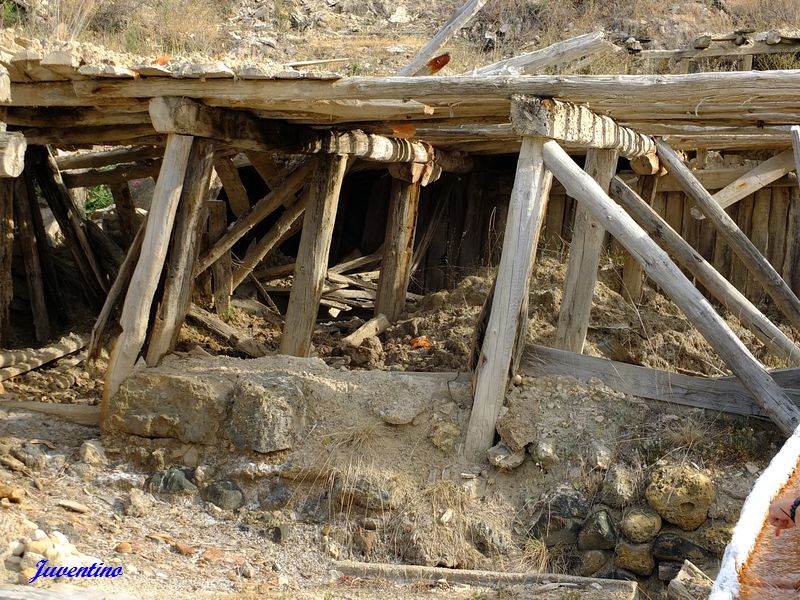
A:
x: 527, y: 208
x: 461, y: 17
x: 312, y: 256
x: 30, y: 257
x: 144, y: 281
x: 632, y: 273
x: 221, y: 282
x: 795, y: 133
x: 282, y: 195
x: 266, y: 168
x: 768, y: 171
x: 791, y: 260
x: 6, y: 256
x: 755, y: 262
x: 398, y: 249
x: 126, y: 211
x: 760, y: 236
x: 179, y: 272
x: 669, y: 277
x: 584, y: 258
x: 232, y: 184
x: 719, y: 287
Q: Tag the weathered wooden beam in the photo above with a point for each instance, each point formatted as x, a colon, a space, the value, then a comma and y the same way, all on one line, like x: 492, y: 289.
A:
x: 457, y: 20
x: 722, y: 394
x: 30, y: 257
x: 559, y: 53
x: 6, y: 257
x: 126, y: 210
x: 135, y: 315
x: 244, y: 130
x: 398, y: 249
x: 179, y: 266
x: 312, y: 256
x: 93, y: 160
x: 761, y: 176
x: 633, y: 276
x: 17, y: 362
x: 375, y: 326
x: 232, y: 184
x: 221, y: 275
x: 266, y: 168
x: 576, y: 124
x: 526, y: 212
x: 719, y: 287
x: 584, y: 258
x: 756, y: 264
x: 231, y: 336
x: 795, y: 134
x: 122, y: 173
x: 748, y: 49
x: 12, y: 153
x: 75, y: 136
x: 283, y: 194
x: 669, y: 277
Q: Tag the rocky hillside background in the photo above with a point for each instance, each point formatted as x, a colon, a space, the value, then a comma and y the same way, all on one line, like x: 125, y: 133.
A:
x: 378, y: 36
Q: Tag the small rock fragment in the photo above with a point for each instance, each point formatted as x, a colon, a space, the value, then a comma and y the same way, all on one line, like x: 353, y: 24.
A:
x: 224, y: 494
x: 445, y: 435
x: 73, y: 506
x: 502, y: 457
x: 545, y: 455
x: 138, y: 503
x: 92, y: 453
x: 637, y: 558
x: 123, y: 548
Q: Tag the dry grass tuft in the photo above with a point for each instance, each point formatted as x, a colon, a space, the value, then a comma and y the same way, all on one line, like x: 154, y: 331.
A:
x: 535, y: 556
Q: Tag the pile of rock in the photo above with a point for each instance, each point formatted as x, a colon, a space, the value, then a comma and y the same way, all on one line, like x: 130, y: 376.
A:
x: 23, y: 555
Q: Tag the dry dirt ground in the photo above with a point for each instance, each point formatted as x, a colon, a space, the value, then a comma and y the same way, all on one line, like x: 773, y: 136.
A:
x: 180, y: 546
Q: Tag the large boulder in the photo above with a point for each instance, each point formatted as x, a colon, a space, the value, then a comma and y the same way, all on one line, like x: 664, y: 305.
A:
x: 267, y: 413
x: 681, y: 494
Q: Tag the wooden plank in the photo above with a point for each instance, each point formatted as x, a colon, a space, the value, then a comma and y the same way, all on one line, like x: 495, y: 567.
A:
x: 398, y: 249
x: 722, y: 257
x: 674, y: 211
x: 752, y: 181
x: 577, y: 125
x: 715, y: 178
x: 755, y: 262
x: 794, y: 132
x: 235, y: 338
x: 221, y: 270
x: 6, y: 257
x: 179, y: 266
x: 470, y: 248
x: 24, y: 361
x: 778, y: 223
x: 735, y: 301
x: 527, y: 208
x: 744, y: 221
x: 30, y: 258
x: 632, y: 273
x: 667, y: 275
x: 94, y: 160
x: 759, y: 234
x: 791, y: 262
x: 147, y: 273
x: 554, y: 221
x: 232, y: 184
x: 584, y: 258
x: 457, y: 20
x: 281, y: 195
x: 724, y: 394
x: 312, y: 256
x: 375, y: 326
x: 82, y: 178
x: 560, y: 53
x: 126, y: 211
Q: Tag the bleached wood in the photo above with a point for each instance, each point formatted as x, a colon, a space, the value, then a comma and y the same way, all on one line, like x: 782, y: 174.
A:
x: 83, y: 178
x: 375, y: 326
x: 6, y: 257
x: 93, y: 160
x: 754, y: 261
x: 559, y: 53
x: 458, y: 19
x: 18, y: 362
x: 232, y: 184
x: 144, y: 281
x: 768, y: 171
x: 577, y: 125
x: 126, y: 210
x: 237, y: 339
x: 795, y: 133
x: 719, y: 287
x: 12, y: 153
x: 281, y: 195
x: 718, y: 50
x: 584, y: 258
x: 398, y: 249
x: 669, y: 277
x: 312, y: 256
x: 525, y: 216
x: 179, y: 266
x: 633, y: 277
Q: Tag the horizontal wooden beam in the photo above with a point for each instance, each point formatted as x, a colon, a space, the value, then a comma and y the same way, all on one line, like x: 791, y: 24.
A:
x: 576, y: 125
x: 720, y: 50
x: 121, y: 173
x: 244, y: 130
x: 93, y: 160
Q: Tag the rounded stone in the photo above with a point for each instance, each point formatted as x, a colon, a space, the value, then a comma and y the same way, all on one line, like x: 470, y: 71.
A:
x: 444, y: 435
x: 224, y: 493
x: 598, y: 532
x: 174, y: 480
x: 641, y: 525
x: 592, y: 561
x: 619, y: 487
x: 39, y: 546
x: 681, y: 494
x: 636, y: 558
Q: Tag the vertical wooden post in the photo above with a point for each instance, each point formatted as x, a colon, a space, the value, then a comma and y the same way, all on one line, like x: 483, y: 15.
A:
x: 760, y: 236
x: 398, y: 249
x: 221, y: 274
x: 30, y: 257
x: 527, y: 208
x: 791, y: 260
x: 584, y: 258
x: 312, y: 256
x: 632, y: 273
x: 183, y: 253
x: 6, y: 255
x: 126, y: 211
x: 144, y: 281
